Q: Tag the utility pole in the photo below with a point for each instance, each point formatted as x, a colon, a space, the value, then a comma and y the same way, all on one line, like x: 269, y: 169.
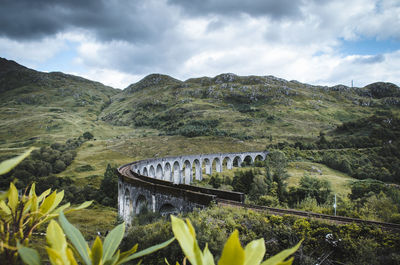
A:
x: 352, y: 83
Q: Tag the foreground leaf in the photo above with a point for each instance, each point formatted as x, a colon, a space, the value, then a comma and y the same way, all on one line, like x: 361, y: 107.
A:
x: 97, y: 251
x: 146, y: 251
x: 9, y: 164
x: 233, y: 252
x: 186, y: 238
x: 76, y: 238
x: 281, y: 256
x: 112, y: 241
x: 29, y: 256
x: 254, y: 252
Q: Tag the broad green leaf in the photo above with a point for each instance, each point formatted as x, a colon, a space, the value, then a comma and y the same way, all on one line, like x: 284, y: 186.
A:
x: 55, y: 237
x: 9, y: 164
x: 76, y: 238
x: 254, y: 252
x: 97, y: 251
x: 29, y: 256
x: 61, y: 208
x: 208, y: 258
x: 281, y: 256
x: 146, y: 251
x: 5, y: 208
x: 185, y: 238
x: 233, y: 253
x: 12, y: 197
x: 48, y: 203
x: 57, y: 200
x: 112, y: 241
x: 114, y: 259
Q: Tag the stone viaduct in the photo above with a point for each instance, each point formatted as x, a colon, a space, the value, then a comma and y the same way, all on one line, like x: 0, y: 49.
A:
x: 163, y: 184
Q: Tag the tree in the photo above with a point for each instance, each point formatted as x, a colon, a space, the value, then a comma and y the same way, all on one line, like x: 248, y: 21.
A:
x: 311, y: 187
x: 109, y: 187
x: 59, y: 166
x: 276, y: 164
x: 88, y: 135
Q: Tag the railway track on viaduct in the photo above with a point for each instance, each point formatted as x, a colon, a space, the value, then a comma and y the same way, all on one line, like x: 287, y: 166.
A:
x: 231, y: 199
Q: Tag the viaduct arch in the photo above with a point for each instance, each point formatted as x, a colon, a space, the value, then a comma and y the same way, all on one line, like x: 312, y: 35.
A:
x: 163, y: 184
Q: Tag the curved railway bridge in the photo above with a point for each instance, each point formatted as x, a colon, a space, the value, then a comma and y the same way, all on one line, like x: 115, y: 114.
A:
x: 163, y: 185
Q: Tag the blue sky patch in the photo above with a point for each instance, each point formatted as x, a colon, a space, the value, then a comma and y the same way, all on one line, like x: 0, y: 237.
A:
x: 369, y: 46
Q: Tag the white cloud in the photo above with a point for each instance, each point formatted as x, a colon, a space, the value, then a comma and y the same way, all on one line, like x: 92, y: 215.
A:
x: 304, y: 45
x: 110, y: 77
x: 31, y: 52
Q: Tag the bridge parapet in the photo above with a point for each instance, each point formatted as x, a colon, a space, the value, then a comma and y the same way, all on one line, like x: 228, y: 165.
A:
x: 163, y: 184
x: 183, y: 169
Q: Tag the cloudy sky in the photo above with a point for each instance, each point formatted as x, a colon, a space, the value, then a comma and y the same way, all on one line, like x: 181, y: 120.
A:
x: 118, y: 42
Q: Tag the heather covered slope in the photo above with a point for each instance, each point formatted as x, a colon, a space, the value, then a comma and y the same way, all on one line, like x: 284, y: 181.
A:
x: 47, y: 105
x: 250, y: 107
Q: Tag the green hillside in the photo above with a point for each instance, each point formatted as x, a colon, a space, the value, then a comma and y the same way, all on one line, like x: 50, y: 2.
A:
x: 37, y: 107
x: 325, y: 142
x: 353, y: 131
x: 243, y: 107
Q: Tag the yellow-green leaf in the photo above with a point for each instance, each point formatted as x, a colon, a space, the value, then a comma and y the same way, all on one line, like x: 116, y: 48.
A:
x: 233, y: 253
x: 35, y: 203
x: 55, y: 237
x: 191, y: 228
x: 43, y: 195
x: 5, y: 208
x: 27, y: 206
x: 12, y: 197
x: 57, y: 200
x: 48, y: 203
x: 71, y: 258
x: 54, y: 256
x: 208, y: 258
x: 254, y: 252
x: 80, y: 207
x: 287, y: 262
x: 9, y: 164
x: 146, y: 251
x: 97, y: 251
x: 281, y: 256
x: 32, y: 190
x: 61, y: 208
x: 129, y: 252
x: 185, y: 238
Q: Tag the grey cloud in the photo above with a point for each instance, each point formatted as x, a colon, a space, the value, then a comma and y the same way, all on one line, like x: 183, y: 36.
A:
x: 136, y: 21
x: 370, y: 59
x: 271, y: 8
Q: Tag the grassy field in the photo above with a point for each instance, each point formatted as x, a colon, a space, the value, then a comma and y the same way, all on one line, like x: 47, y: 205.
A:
x: 338, y: 180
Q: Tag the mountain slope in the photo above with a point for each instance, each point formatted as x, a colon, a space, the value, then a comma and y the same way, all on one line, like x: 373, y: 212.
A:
x: 244, y: 107
x: 40, y: 105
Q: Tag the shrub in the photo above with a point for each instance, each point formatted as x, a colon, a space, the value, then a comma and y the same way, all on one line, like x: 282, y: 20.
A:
x: 88, y: 135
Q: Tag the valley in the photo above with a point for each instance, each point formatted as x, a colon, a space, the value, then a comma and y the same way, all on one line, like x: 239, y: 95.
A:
x: 326, y: 140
